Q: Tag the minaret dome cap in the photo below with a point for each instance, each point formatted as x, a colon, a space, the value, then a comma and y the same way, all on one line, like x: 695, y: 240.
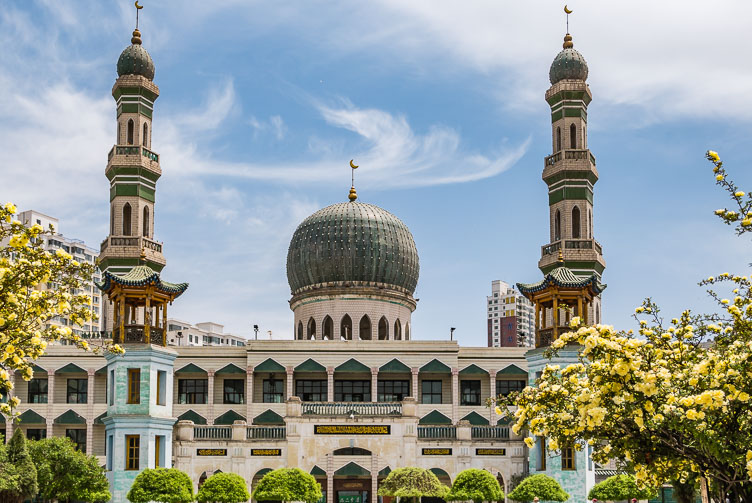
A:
x: 568, y: 64
x: 135, y: 60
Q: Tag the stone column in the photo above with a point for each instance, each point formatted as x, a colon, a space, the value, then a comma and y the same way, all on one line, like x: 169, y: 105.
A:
x: 414, y: 390
x: 210, y: 396
x: 374, y: 384
x: 288, y: 388
x: 329, y: 479
x: 374, y: 477
x: 330, y: 384
x: 89, y: 436
x: 248, y: 391
x: 50, y: 424
x: 50, y: 400
x: 455, y: 394
x: 492, y: 378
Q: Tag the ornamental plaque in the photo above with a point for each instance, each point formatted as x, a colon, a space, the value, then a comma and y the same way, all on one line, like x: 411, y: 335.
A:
x: 266, y: 452
x: 351, y: 429
x: 437, y: 451
x: 211, y: 452
x: 485, y: 451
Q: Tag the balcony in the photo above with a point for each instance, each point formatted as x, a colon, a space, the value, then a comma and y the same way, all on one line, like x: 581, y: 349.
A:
x: 571, y: 244
x: 571, y: 154
x: 266, y: 433
x: 490, y: 432
x: 212, y: 432
x: 137, y: 242
x: 351, y: 408
x: 132, y: 150
x: 437, y: 432
x: 135, y: 334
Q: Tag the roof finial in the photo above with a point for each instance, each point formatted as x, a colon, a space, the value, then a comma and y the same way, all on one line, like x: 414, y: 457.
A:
x: 136, y: 39
x: 561, y: 256
x: 142, y: 257
x: 568, y: 38
x: 353, y: 195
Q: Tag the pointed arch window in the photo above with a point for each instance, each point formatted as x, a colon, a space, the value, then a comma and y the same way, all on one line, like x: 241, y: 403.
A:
x: 130, y: 131
x: 397, y: 330
x: 576, y: 222
x: 146, y: 222
x: 300, y: 331
x: 364, y: 328
x: 407, y: 331
x: 126, y: 219
x: 557, y: 226
x: 383, y: 329
x: 112, y: 220
x: 145, y: 138
x: 573, y: 136
x: 558, y: 139
x: 345, y: 328
x: 327, y: 328
x: 590, y: 224
x: 311, y: 332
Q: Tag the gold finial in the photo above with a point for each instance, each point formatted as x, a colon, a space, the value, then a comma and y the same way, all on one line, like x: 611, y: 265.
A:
x: 567, y: 11
x: 142, y: 257
x: 136, y: 39
x: 568, y: 41
x: 561, y: 256
x: 353, y: 195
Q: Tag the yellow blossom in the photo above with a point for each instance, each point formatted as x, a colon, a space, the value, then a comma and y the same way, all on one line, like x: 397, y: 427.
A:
x: 529, y: 442
x: 713, y: 156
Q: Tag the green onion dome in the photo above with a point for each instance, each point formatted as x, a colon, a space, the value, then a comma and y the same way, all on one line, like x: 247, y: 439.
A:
x: 352, y: 244
x: 134, y: 60
x: 568, y: 64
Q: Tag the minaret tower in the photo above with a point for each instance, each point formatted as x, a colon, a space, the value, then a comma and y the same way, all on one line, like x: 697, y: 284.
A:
x: 570, y: 173
x: 132, y: 169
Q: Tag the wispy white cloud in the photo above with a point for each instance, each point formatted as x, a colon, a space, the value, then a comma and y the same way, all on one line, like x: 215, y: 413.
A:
x: 275, y: 126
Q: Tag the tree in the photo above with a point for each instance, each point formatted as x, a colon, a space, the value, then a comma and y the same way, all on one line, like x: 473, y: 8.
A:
x: 620, y: 487
x: 412, y: 483
x: 670, y: 401
x: 475, y: 485
x: 223, y: 488
x: 20, y: 471
x: 35, y: 286
x: 288, y: 484
x: 162, y: 485
x: 66, y: 474
x: 538, y: 486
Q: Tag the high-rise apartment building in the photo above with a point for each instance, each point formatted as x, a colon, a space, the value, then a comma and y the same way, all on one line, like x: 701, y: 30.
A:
x: 81, y: 253
x: 511, y: 321
x: 182, y: 333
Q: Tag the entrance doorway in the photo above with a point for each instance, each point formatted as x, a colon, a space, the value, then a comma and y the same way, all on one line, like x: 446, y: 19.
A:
x: 352, y: 490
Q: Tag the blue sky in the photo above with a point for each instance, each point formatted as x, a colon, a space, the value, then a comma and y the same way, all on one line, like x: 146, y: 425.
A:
x: 441, y: 102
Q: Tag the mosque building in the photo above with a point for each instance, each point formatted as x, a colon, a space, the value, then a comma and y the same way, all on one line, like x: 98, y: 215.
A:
x: 353, y: 395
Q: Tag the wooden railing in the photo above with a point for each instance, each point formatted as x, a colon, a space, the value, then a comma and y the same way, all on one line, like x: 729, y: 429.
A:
x: 135, y: 334
x: 354, y: 408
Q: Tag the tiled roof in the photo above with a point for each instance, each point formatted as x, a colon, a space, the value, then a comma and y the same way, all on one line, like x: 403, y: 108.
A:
x: 141, y: 275
x: 563, y: 277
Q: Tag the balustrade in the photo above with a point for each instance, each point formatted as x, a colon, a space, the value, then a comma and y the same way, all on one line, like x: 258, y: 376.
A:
x: 569, y: 154
x: 135, y: 333
x: 212, y: 432
x: 431, y: 432
x: 266, y: 432
x: 355, y: 408
x: 132, y: 150
x: 493, y: 432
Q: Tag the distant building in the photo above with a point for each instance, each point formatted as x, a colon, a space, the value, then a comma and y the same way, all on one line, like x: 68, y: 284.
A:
x: 82, y: 253
x: 511, y: 322
x: 181, y: 333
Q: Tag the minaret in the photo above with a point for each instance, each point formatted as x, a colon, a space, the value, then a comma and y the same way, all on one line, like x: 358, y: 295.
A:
x: 132, y: 169
x: 570, y: 173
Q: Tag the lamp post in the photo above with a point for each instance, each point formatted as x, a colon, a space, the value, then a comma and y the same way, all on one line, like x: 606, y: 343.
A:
x: 451, y: 333
x: 255, y: 330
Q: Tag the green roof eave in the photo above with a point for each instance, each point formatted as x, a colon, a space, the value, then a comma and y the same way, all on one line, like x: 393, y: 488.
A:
x: 352, y: 469
x: 393, y: 367
x: 229, y: 417
x: 230, y: 368
x: 473, y: 370
x: 512, y: 370
x: 310, y: 365
x: 98, y: 419
x: 317, y: 472
x: 69, y: 417
x: 563, y: 277
x: 268, y: 417
x: 435, y: 366
x: 476, y: 419
x: 352, y: 365
x: 384, y: 472
x: 141, y: 275
x: 190, y: 415
x: 71, y: 368
x: 434, y: 417
x: 269, y: 365
x: 31, y: 417
x: 191, y: 369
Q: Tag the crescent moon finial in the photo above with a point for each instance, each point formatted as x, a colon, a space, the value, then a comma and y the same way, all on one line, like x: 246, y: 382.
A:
x: 353, y: 166
x: 568, y: 10
x: 138, y: 6
x: 353, y: 195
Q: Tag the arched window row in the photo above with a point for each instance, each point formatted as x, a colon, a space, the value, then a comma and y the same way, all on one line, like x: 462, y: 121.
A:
x: 365, y: 329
